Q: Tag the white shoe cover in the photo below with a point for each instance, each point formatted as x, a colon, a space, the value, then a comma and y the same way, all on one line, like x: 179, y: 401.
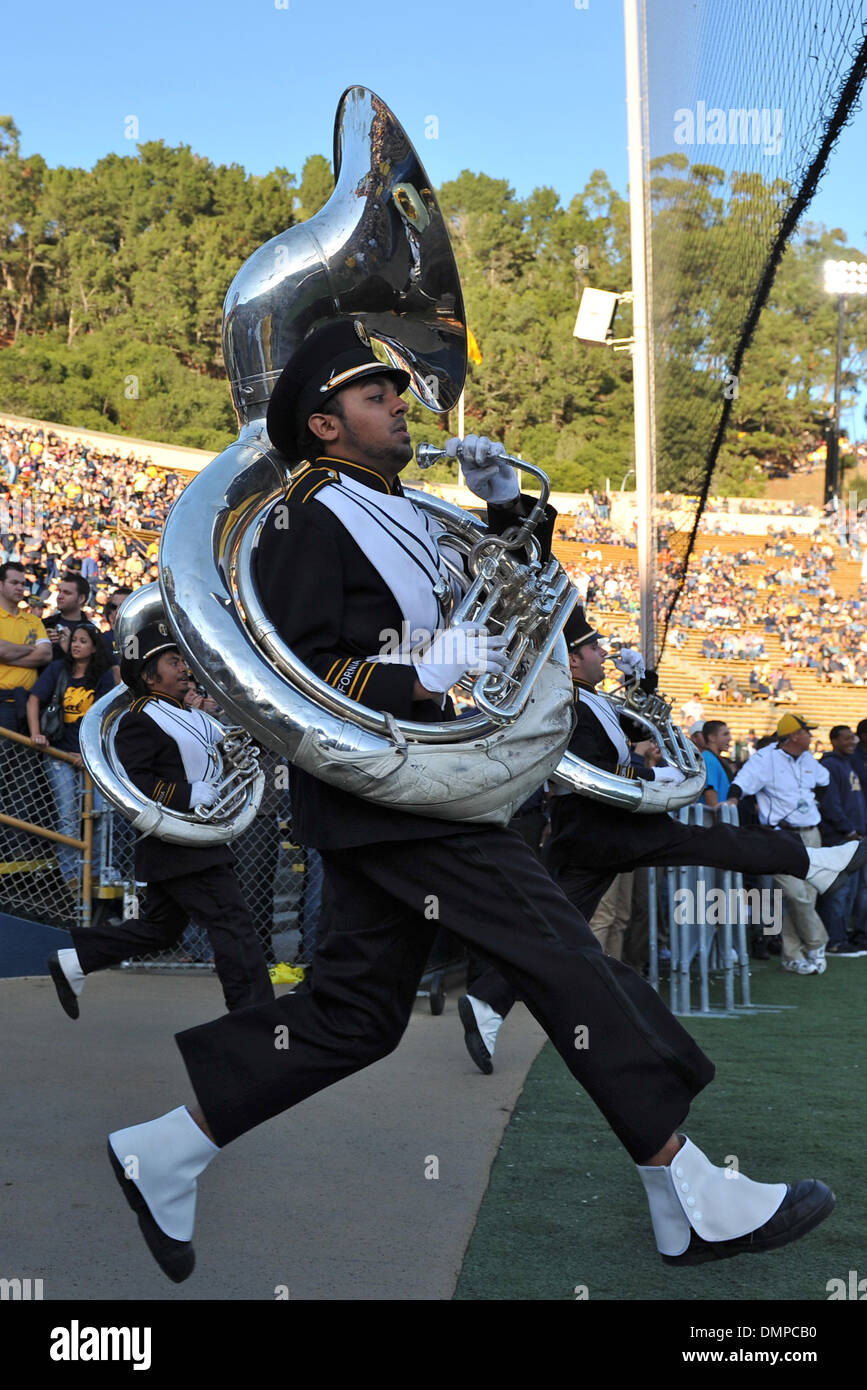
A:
x: 717, y: 1203
x: 71, y: 967
x: 488, y: 1022
x: 828, y: 863
x: 169, y: 1154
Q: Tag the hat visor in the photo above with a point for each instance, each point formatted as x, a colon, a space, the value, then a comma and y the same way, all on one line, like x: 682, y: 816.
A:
x: 582, y: 641
x: 355, y: 374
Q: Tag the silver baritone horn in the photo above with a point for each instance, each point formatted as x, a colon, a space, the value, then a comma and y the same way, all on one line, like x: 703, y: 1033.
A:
x: 378, y: 253
x: 239, y: 781
x: 522, y: 600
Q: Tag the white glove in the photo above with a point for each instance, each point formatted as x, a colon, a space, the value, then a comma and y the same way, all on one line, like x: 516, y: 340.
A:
x: 485, y: 475
x: 629, y: 662
x: 203, y: 794
x: 457, y: 651
x: 668, y: 774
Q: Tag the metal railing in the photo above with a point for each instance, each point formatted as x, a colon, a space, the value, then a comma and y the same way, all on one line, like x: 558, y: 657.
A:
x: 699, y: 943
x: 45, y: 873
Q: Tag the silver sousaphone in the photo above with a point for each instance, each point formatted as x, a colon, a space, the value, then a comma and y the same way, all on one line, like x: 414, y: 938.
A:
x: 379, y: 253
x: 239, y: 781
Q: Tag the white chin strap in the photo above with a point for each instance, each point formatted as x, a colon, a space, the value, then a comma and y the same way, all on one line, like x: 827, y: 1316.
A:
x: 163, y: 1158
x: 716, y: 1203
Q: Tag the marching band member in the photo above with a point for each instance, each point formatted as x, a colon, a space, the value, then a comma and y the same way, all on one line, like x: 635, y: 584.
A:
x: 343, y: 557
x: 169, y: 753
x: 593, y: 841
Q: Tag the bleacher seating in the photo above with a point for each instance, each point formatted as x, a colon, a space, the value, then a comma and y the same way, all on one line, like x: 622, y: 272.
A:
x: 685, y: 670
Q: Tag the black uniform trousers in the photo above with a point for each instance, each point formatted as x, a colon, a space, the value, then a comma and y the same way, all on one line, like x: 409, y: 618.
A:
x: 621, y: 842
x: 385, y: 903
x: 212, y: 898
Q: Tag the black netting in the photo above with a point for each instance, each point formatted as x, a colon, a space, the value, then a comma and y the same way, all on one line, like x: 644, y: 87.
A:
x: 744, y: 103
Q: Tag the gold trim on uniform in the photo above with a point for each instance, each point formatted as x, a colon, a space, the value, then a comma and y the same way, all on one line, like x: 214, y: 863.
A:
x: 321, y: 477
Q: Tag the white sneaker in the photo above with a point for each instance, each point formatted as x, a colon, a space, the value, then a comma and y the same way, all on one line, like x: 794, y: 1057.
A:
x: 818, y: 958
x: 799, y: 967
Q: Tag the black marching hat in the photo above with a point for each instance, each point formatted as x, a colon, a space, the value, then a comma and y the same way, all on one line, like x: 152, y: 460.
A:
x: 331, y: 357
x: 577, y: 630
x: 150, y: 641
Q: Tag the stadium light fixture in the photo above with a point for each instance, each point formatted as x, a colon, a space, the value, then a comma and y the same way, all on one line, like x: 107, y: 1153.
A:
x: 846, y: 277
x: 841, y: 278
x: 596, y: 313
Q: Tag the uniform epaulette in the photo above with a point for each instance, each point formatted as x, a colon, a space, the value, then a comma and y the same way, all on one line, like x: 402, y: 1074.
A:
x: 308, y: 481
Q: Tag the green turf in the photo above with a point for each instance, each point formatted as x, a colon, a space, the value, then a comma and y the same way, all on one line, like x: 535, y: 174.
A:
x: 565, y: 1207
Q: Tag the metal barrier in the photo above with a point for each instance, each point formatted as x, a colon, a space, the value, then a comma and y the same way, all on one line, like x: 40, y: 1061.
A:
x: 45, y: 873
x: 681, y: 898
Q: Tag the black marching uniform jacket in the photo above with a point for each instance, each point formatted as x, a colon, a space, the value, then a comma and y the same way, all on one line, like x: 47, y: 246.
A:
x: 332, y: 606
x: 570, y: 813
x: 153, y: 762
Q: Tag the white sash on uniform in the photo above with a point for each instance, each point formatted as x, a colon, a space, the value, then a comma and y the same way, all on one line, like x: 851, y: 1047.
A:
x: 610, y: 723
x: 195, y: 735
x: 398, y: 540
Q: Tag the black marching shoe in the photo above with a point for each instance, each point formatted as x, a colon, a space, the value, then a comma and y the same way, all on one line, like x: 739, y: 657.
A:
x: 804, y: 1206
x: 701, y: 1213
x: 176, y: 1258
x: 65, y: 993
x: 858, y: 860
x: 472, y: 1037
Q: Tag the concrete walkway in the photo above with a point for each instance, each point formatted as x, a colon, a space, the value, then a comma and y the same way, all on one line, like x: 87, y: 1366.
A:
x: 328, y: 1201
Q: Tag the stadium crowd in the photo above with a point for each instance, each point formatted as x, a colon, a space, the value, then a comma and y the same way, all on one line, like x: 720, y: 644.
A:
x: 99, y: 515
x: 70, y: 507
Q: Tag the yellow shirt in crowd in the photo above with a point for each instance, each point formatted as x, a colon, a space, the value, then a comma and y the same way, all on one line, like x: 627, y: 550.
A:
x: 77, y: 700
x: 23, y: 629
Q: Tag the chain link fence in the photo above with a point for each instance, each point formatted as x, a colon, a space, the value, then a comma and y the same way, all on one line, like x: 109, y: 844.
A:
x: 45, y: 837
x: 45, y: 864
x: 281, y: 883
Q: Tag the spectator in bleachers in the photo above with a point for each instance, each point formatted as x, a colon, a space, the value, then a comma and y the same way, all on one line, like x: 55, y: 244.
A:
x: 692, y: 710
x: 25, y: 647
x: 717, y: 741
x: 696, y: 733
x: 72, y: 593
x: 71, y: 683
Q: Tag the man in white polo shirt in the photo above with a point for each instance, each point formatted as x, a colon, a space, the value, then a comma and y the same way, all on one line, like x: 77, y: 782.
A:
x: 784, y: 777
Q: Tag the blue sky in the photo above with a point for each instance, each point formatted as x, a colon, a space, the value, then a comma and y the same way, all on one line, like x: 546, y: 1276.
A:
x: 534, y: 93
